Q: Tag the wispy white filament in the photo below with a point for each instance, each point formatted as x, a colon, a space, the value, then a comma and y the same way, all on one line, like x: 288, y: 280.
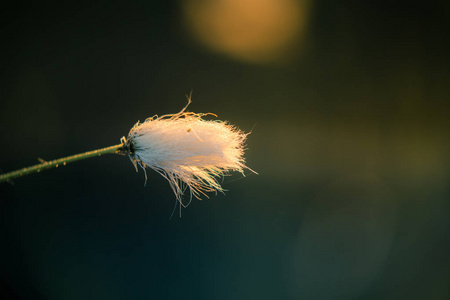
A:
x: 187, y: 150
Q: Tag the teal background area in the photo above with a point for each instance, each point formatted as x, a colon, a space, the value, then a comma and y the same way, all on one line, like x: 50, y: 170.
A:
x: 351, y: 140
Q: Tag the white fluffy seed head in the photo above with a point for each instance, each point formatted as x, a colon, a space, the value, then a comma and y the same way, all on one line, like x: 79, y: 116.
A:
x: 187, y: 150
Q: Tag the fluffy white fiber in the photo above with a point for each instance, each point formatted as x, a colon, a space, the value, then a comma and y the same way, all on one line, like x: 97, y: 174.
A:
x: 187, y: 150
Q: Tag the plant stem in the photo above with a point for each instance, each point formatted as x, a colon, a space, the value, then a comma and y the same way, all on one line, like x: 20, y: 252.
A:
x: 59, y: 162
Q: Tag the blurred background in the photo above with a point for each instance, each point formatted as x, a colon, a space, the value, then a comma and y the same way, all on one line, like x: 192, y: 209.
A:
x: 348, y: 103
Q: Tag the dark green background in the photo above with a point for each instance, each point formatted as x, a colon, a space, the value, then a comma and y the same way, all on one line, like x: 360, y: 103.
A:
x: 351, y: 144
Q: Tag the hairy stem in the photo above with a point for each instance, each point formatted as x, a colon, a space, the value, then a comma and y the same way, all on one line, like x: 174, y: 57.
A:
x: 59, y: 162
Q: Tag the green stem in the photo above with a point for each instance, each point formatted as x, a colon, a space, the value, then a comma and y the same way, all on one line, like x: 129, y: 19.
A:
x: 59, y: 162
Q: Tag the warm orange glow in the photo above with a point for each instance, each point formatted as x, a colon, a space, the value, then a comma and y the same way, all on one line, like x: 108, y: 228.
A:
x: 257, y: 31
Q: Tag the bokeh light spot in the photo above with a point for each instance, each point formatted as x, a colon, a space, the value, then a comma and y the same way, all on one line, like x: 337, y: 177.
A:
x: 254, y: 31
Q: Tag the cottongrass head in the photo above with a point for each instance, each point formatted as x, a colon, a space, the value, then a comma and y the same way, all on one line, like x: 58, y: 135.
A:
x: 187, y: 150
